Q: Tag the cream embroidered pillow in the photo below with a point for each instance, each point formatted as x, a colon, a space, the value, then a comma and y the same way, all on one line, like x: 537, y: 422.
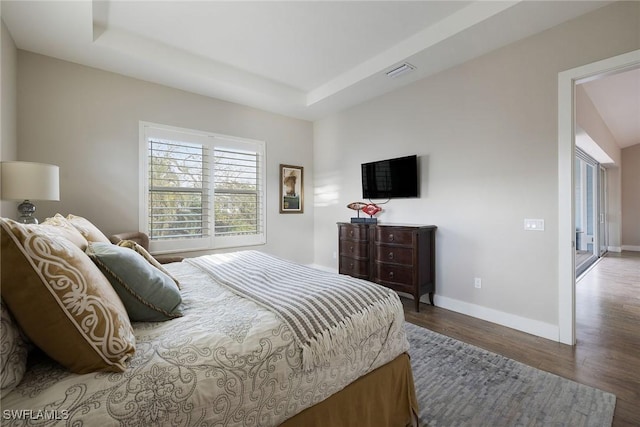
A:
x: 87, y: 229
x: 66, y: 229
x: 62, y: 301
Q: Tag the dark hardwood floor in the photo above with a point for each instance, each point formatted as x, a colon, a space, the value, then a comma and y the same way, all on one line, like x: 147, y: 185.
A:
x: 607, y: 355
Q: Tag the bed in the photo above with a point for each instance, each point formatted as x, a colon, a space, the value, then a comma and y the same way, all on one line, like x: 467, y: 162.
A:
x: 230, y: 359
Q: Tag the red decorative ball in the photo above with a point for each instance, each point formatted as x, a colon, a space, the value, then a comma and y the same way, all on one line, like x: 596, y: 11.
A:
x: 371, y: 209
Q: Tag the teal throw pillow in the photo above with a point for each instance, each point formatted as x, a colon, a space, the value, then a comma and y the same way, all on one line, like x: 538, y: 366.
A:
x: 148, y: 294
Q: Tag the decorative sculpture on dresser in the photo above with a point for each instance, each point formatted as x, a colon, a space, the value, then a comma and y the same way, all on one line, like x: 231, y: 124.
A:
x: 369, y: 208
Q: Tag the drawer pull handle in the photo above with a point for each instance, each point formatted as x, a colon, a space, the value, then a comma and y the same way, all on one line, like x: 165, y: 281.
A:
x: 351, y: 266
x: 351, y: 249
x: 391, y: 275
x: 390, y: 255
x: 350, y: 233
x: 391, y: 237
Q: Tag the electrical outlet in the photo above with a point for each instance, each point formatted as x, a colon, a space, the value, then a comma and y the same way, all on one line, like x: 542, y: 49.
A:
x: 477, y: 282
x: 335, y: 255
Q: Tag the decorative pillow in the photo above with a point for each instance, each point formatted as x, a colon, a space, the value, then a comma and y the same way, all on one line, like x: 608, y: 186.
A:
x: 13, y: 352
x: 62, y: 301
x: 87, y: 229
x: 61, y: 226
x: 146, y: 255
x: 148, y: 294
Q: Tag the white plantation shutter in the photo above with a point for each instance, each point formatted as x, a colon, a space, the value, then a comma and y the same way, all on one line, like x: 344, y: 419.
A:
x: 237, y: 190
x: 201, y: 190
x: 178, y: 189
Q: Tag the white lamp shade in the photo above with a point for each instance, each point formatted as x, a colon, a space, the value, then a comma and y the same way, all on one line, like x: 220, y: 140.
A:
x: 30, y: 181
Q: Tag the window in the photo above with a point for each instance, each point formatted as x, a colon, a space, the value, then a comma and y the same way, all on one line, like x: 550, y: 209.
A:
x: 200, y: 190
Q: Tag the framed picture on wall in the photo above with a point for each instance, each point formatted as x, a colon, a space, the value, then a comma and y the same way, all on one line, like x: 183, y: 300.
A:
x: 291, y: 189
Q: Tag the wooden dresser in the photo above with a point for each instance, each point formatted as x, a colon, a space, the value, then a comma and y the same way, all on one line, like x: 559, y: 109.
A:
x: 400, y: 257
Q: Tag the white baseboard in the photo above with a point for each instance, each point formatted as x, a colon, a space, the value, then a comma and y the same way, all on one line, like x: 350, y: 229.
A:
x: 530, y: 326
x: 614, y: 248
x: 631, y: 248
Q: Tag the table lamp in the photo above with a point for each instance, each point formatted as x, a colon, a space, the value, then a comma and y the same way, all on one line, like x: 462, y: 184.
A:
x: 29, y: 181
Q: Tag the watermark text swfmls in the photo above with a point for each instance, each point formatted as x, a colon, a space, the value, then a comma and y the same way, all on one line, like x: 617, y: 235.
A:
x: 29, y: 414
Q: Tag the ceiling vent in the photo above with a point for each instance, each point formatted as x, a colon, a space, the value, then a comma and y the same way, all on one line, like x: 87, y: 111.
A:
x: 400, y: 70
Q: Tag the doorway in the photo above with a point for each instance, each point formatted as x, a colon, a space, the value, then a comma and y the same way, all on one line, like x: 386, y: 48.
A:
x: 566, y: 160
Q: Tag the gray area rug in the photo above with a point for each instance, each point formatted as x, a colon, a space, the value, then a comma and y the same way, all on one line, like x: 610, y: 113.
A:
x: 458, y: 384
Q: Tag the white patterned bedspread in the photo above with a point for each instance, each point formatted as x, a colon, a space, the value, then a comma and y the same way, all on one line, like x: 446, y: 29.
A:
x: 227, y: 362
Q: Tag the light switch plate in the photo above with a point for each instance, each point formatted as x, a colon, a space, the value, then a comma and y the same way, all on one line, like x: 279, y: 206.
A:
x: 534, y: 224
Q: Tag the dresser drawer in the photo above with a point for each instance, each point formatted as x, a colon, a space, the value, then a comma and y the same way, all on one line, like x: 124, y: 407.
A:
x: 394, y: 254
x: 356, y: 249
x: 394, y: 235
x: 400, y: 287
x: 354, y: 267
x: 354, y: 232
x: 394, y: 275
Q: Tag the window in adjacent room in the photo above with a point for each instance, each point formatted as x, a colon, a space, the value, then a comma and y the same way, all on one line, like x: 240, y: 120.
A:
x: 200, y: 190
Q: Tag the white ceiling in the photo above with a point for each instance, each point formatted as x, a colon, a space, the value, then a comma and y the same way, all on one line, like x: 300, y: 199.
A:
x: 617, y: 99
x: 285, y: 42
x: 302, y: 59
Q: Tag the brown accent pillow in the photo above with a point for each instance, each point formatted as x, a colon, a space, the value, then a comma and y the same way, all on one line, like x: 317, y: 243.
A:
x: 62, y: 301
x: 87, y: 229
x: 66, y: 229
x: 146, y: 255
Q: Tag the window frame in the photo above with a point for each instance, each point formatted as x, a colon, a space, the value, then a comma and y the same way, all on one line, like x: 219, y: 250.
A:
x: 210, y: 140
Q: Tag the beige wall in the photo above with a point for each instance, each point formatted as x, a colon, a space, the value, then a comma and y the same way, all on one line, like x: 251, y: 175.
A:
x: 86, y: 121
x: 8, y: 106
x: 486, y: 133
x: 631, y: 198
x: 614, y: 209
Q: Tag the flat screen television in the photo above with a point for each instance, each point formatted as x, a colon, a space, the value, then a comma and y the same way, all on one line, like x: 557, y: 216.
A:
x: 392, y: 178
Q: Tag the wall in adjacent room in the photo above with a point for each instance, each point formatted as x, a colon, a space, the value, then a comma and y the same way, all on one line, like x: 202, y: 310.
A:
x: 486, y: 133
x: 86, y: 121
x: 8, y: 107
x: 589, y: 119
x: 631, y: 198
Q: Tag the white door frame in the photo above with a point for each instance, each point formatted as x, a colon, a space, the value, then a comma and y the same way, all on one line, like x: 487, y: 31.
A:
x: 566, y: 154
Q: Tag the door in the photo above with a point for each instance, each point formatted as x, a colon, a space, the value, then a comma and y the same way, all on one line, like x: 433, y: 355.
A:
x: 588, y: 216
